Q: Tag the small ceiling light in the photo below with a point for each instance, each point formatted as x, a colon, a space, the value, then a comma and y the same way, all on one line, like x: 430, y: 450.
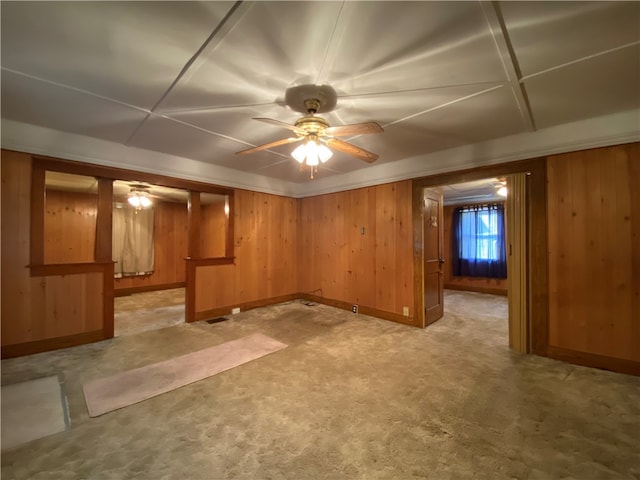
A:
x: 138, y: 198
x: 312, y: 153
x: 502, y: 191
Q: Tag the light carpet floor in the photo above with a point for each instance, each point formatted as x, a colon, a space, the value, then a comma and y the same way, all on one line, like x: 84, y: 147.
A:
x: 123, y: 389
x: 351, y: 397
x: 31, y: 410
x: 141, y: 312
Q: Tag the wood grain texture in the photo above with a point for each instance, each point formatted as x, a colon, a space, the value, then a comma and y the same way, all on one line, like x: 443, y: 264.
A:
x: 593, y: 251
x: 104, y: 221
x: 16, y: 224
x: 194, y: 220
x: 266, y: 255
x: 36, y: 309
x: 37, y: 211
x: 170, y: 249
x: 516, y: 243
x: 433, y: 239
x: 355, y: 247
x: 70, y: 227
x: 46, y: 345
x: 213, y: 230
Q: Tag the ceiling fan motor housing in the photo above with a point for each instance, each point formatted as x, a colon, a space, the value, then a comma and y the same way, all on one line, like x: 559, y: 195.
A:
x: 319, y: 98
x: 312, y: 124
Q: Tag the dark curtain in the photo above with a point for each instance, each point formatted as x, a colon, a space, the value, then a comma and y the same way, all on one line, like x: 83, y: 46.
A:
x: 478, y: 242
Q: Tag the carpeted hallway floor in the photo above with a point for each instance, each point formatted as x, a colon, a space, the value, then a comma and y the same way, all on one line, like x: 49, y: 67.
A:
x: 351, y: 397
x: 141, y: 312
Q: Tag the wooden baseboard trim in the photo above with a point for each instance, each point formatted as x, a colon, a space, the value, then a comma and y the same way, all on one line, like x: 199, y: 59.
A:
x: 363, y: 309
x: 123, y: 292
x: 226, y: 310
x: 603, y: 362
x: 465, y: 288
x: 39, y: 346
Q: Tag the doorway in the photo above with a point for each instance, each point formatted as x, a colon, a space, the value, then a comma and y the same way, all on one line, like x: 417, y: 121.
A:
x: 465, y: 257
x: 534, y: 284
x: 150, y: 241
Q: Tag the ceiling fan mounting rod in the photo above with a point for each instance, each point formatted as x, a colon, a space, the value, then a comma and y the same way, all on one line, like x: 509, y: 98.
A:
x: 312, y: 105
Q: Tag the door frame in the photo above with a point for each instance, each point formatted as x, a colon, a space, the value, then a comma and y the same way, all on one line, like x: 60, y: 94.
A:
x: 537, y: 261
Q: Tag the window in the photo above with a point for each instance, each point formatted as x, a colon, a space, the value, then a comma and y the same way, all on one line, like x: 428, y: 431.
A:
x: 478, y: 244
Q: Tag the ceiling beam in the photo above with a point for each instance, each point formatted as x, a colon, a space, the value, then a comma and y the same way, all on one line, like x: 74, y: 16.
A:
x: 235, y: 13
x: 495, y: 20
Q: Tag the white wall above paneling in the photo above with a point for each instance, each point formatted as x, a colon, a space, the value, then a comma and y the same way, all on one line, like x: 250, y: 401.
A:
x: 597, y: 132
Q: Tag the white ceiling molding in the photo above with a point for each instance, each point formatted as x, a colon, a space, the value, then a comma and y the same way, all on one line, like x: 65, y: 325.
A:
x: 45, y: 141
x: 602, y: 131
x: 596, y: 132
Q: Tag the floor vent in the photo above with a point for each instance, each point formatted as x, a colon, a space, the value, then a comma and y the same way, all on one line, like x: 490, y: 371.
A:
x: 217, y: 320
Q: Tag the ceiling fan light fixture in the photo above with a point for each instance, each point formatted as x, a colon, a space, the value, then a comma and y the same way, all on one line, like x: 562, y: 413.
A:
x: 312, y: 129
x: 324, y: 153
x: 299, y: 153
x: 311, y: 153
x: 138, y: 199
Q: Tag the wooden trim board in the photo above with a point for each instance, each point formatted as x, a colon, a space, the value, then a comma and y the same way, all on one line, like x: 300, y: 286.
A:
x: 46, y: 345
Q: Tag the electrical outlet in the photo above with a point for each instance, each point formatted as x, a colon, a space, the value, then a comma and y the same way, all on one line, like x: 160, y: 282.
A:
x: 354, y: 308
x: 235, y: 310
x: 405, y: 311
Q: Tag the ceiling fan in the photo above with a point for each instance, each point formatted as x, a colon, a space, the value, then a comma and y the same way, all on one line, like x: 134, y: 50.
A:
x: 315, y: 131
x: 137, y: 194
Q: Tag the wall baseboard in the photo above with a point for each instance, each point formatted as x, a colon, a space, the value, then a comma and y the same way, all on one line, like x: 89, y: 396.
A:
x: 470, y: 288
x: 226, y: 310
x: 46, y: 345
x: 363, y: 309
x: 123, y: 292
x: 603, y: 362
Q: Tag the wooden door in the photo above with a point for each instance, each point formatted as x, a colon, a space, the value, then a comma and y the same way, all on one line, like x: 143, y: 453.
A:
x: 433, y: 260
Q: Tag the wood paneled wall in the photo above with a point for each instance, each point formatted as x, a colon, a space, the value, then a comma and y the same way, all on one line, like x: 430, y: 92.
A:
x: 266, y: 256
x: 69, y: 226
x: 356, y: 247
x: 594, y: 252
x: 213, y: 227
x: 38, y: 308
x: 496, y: 286
x: 170, y: 249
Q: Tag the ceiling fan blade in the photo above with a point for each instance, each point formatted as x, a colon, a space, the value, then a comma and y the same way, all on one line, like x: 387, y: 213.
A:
x: 278, y: 123
x: 352, y: 150
x: 277, y: 143
x: 354, y: 129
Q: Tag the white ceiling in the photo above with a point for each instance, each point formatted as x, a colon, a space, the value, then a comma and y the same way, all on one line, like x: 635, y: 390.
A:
x: 184, y: 79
